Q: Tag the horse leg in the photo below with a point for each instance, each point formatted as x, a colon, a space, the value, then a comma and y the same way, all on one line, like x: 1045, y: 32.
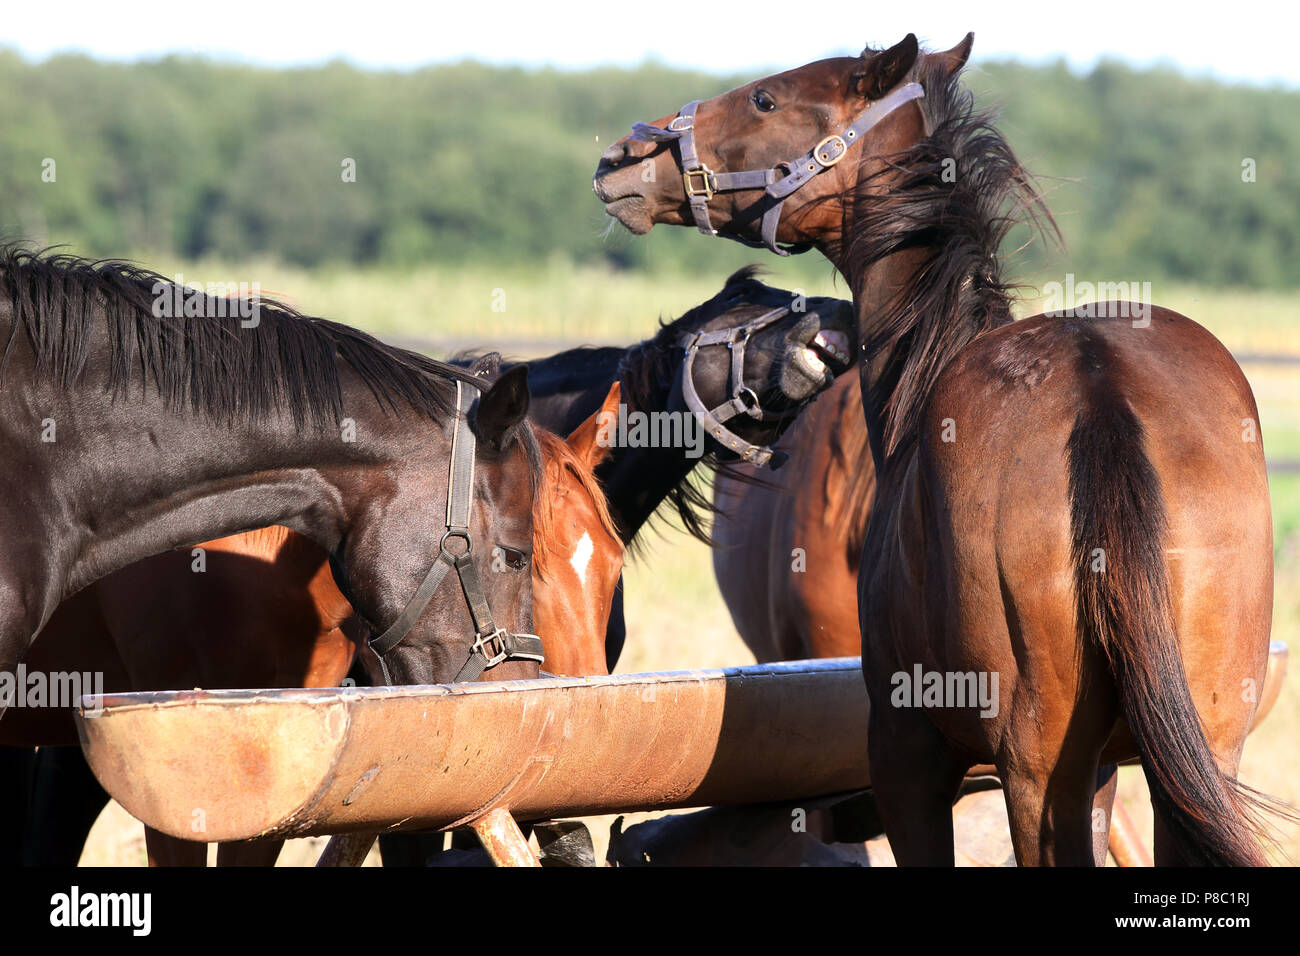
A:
x: 15, y: 795
x: 66, y: 801
x: 166, y: 850
x: 915, y: 775
x: 1167, y: 850
x: 249, y: 853
x: 1050, y: 812
x: 1050, y: 766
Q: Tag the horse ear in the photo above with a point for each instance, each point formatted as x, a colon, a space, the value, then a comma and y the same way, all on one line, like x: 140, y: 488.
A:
x: 954, y: 59
x: 584, y: 440
x: 881, y: 72
x: 502, y: 408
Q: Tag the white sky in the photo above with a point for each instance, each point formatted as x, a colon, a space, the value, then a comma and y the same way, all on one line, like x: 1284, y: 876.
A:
x: 1244, y: 41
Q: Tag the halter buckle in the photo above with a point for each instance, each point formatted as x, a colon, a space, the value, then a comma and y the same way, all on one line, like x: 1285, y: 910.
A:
x: 498, y: 655
x: 455, y: 533
x: 749, y: 398
x: 830, y: 151
x: 706, y: 187
x: 674, y: 128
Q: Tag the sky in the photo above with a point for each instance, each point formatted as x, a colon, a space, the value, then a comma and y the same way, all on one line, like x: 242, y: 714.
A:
x: 1244, y: 42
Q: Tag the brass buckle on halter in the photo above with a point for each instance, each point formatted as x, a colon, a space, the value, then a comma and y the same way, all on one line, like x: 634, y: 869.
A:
x: 827, y: 160
x: 499, y: 655
x: 705, y: 189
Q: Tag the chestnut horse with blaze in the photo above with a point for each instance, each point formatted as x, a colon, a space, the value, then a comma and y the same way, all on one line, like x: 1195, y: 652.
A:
x: 1065, y: 502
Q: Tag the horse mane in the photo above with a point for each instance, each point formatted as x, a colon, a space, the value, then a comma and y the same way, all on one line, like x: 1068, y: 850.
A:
x: 957, y: 290
x: 558, y: 458
x: 649, y: 368
x: 215, y: 366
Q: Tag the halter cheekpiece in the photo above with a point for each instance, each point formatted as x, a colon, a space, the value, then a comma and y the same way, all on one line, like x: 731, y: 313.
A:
x: 492, y: 645
x: 744, y: 400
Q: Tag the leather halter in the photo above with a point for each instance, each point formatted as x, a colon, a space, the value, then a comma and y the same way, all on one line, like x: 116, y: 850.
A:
x: 744, y: 400
x: 492, y: 645
x: 777, y: 183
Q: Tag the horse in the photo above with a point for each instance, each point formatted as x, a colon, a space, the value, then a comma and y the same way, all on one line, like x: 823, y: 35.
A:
x: 137, y: 416
x: 787, y: 364
x: 262, y: 610
x: 786, y: 563
x: 1033, y: 479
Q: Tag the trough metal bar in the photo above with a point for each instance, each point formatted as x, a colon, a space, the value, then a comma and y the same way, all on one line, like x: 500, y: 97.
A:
x: 347, y: 849
x: 504, y: 841
x: 1126, y: 844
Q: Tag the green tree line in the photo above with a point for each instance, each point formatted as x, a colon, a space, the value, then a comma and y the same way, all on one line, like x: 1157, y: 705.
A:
x: 1151, y: 174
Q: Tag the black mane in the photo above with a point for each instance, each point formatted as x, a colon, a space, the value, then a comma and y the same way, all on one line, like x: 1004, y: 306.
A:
x: 957, y: 290
x: 648, y: 368
x: 692, y: 499
x: 287, y: 361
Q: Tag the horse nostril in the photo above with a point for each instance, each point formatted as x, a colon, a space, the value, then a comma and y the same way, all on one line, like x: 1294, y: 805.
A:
x: 614, y: 156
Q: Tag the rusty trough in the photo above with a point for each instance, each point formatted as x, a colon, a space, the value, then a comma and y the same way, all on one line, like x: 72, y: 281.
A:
x: 233, y: 765
x: 300, y: 762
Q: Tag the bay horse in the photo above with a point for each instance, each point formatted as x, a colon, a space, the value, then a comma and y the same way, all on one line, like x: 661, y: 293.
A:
x: 787, y: 549
x: 1044, y: 515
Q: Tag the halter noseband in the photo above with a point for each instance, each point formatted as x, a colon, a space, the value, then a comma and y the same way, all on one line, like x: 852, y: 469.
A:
x: 779, y: 182
x: 743, y: 398
x: 492, y: 645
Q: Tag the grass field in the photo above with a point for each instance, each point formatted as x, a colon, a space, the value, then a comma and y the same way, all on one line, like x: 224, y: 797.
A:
x: 676, y: 617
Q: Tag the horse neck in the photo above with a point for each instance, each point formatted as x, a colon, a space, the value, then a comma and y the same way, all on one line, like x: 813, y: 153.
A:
x: 131, y: 478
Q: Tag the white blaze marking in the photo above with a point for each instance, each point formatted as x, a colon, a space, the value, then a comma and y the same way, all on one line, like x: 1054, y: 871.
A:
x: 582, y: 557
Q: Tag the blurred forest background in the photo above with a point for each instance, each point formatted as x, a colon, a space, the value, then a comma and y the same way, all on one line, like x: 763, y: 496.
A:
x: 470, y: 163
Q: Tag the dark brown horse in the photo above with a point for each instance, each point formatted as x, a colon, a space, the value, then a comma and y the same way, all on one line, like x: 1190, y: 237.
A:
x: 261, y: 609
x: 135, y: 419
x: 1067, y: 513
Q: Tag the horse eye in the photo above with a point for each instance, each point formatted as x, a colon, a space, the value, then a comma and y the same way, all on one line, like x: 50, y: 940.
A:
x: 514, y: 559
x: 764, y: 102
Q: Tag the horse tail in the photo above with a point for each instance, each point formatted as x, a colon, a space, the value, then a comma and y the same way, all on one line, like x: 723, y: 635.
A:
x: 1118, y: 528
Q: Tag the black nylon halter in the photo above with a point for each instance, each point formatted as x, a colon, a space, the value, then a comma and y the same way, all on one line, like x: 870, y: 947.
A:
x: 744, y: 400
x: 492, y: 645
x: 777, y: 183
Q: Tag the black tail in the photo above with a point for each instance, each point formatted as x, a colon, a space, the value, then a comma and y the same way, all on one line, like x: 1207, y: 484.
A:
x: 1118, y: 526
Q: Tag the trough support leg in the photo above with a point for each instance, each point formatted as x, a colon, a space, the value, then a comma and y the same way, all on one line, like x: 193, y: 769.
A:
x: 1126, y: 844
x: 347, y: 849
x: 504, y: 841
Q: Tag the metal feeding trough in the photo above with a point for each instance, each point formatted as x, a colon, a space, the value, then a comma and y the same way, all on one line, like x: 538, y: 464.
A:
x: 234, y: 765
